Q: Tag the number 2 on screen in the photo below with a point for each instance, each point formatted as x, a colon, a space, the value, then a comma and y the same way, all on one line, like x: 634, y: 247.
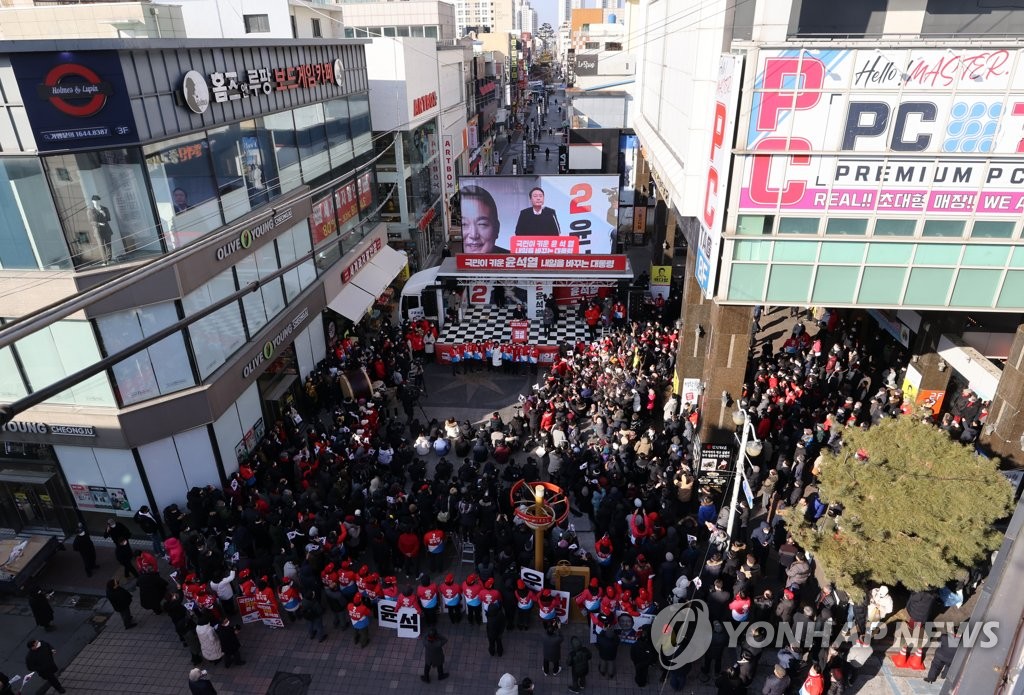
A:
x: 580, y: 195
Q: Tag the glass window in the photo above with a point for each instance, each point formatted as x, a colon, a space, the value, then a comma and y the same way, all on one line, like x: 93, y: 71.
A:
x: 976, y: 287
x: 1012, y: 293
x: 327, y: 256
x: 937, y: 254
x: 847, y: 226
x: 744, y: 250
x: 798, y: 225
x: 339, y: 134
x: 273, y: 295
x: 890, y: 253
x: 300, y: 238
x: 60, y: 349
x: 286, y: 252
x: 252, y: 303
x: 417, y: 31
x: 256, y: 23
x: 992, y: 230
x: 795, y: 251
x: 243, y: 163
x: 30, y: 234
x: 154, y: 371
x: 103, y: 205
x: 350, y: 33
x: 430, y: 32
x: 359, y: 110
x: 895, y: 227
x: 312, y: 139
x: 753, y: 225
x: 746, y: 281
x: 835, y: 284
x: 402, y: 31
x: 216, y: 337
x: 366, y: 185
x: 985, y: 255
x: 281, y: 130
x: 881, y: 285
x: 181, y: 174
x: 839, y: 252
x: 12, y: 386
x: 928, y: 286
x: 1017, y: 259
x: 789, y: 283
x: 943, y: 228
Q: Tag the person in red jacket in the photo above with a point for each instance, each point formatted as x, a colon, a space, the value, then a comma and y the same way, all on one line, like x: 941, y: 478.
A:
x: 433, y: 541
x: 408, y: 599
x: 451, y: 596
x: 471, y: 589
x: 389, y: 588
x: 359, y: 615
x: 489, y: 594
x: 525, y: 598
x: 815, y: 683
x: 409, y: 548
x: 426, y: 592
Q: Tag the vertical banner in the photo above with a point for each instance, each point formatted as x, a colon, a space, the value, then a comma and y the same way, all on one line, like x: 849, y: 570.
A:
x: 563, y: 605
x: 640, y: 220
x: 691, y: 392
x: 408, y: 623
x: 563, y: 159
x: 520, y: 331
x: 720, y: 153
x: 247, y: 609
x: 447, y: 179
x: 387, y: 614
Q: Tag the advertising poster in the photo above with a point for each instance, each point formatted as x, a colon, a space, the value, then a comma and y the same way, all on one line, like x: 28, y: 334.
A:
x: 346, y: 203
x: 98, y: 497
x: 539, y: 214
x: 715, y: 463
x: 932, y: 399
x: 911, y: 384
x: 520, y: 331
x: 365, y: 182
x: 256, y: 609
x: 691, y: 392
x: 322, y: 221
x: 626, y: 625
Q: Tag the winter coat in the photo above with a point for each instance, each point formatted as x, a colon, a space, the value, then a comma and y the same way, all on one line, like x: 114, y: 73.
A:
x: 553, y: 646
x: 920, y: 606
x: 42, y: 611
x: 507, y: 685
x: 579, y: 657
x: 209, y: 643
x: 774, y: 685
x: 175, y: 553
x: 120, y: 598
x: 434, y: 650
x: 495, y: 621
x: 152, y: 589
x: 608, y: 645
x: 228, y: 636
x: 798, y: 573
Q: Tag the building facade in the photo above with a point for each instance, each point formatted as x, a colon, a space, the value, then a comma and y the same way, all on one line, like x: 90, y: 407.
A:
x: 227, y: 187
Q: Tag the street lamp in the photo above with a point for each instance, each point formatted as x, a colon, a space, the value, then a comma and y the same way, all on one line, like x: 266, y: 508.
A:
x: 748, y: 447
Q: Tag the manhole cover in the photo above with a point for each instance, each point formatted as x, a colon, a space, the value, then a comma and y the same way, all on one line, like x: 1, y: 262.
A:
x: 289, y: 684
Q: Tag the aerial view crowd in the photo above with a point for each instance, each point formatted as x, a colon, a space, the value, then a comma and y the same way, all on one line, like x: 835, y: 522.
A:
x: 345, y: 503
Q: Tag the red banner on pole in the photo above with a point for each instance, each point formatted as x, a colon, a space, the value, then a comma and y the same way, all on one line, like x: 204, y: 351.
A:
x: 520, y: 331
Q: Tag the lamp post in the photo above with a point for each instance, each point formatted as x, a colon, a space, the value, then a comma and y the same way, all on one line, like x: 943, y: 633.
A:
x: 747, y: 448
x: 538, y: 532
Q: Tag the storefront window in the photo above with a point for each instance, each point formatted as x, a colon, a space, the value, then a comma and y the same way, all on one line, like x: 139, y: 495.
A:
x: 312, y: 139
x: 12, y: 386
x: 103, y: 206
x: 243, y: 163
x: 359, y: 110
x: 181, y: 173
x: 216, y: 337
x: 339, y: 136
x: 155, y: 371
x: 280, y: 129
x: 63, y: 348
x: 346, y: 203
x: 286, y: 249
x: 30, y: 234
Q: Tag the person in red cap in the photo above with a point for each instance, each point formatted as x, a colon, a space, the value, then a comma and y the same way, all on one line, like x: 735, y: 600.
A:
x: 433, y: 541
x: 408, y: 599
x: 547, y: 605
x: 589, y: 600
x: 347, y: 580
x: 389, y: 587
x: 290, y: 599
x: 525, y: 598
x: 489, y: 594
x: 246, y: 584
x: 426, y: 592
x: 409, y: 548
x: 372, y: 591
x: 359, y: 615
x: 451, y: 596
x: 603, y: 550
x: 471, y: 589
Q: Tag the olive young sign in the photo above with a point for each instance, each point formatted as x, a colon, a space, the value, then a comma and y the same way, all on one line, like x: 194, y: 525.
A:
x: 271, y: 347
x: 19, y: 427
x: 251, y: 235
x: 847, y: 130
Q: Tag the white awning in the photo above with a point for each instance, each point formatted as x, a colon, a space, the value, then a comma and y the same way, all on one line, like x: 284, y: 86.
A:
x: 380, y: 271
x: 352, y: 302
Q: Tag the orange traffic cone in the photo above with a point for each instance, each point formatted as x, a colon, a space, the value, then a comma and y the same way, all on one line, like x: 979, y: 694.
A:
x: 916, y: 661
x: 899, y: 659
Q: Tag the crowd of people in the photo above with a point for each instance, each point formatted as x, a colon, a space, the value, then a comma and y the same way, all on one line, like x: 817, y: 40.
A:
x: 343, y: 505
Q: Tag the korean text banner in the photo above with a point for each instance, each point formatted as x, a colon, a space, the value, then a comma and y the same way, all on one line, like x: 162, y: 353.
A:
x: 539, y: 214
x: 887, y: 131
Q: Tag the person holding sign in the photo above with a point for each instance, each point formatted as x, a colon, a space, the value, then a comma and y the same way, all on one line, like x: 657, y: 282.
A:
x: 537, y: 220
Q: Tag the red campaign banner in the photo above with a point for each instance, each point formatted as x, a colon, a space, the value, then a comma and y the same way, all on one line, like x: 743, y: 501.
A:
x: 346, y: 202
x: 574, y: 293
x: 247, y: 609
x: 443, y: 353
x: 508, y: 261
x: 255, y: 609
x: 520, y: 330
x: 365, y: 180
x: 322, y: 220
x: 543, y: 245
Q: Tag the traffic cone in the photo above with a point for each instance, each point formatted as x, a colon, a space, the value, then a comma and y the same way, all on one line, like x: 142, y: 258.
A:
x: 916, y: 661
x: 899, y: 659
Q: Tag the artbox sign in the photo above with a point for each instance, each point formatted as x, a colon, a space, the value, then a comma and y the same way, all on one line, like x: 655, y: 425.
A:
x: 868, y: 131
x: 448, y: 165
x: 199, y: 89
x: 422, y: 104
x: 75, y: 99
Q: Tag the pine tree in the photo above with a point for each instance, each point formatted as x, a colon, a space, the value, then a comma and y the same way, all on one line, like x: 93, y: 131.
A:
x: 918, y: 508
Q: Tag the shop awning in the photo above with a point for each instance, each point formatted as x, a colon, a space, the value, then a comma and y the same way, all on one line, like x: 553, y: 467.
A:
x: 352, y: 302
x: 380, y: 271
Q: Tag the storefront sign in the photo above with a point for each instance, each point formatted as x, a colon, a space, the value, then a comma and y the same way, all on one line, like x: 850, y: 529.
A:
x: 661, y: 275
x: 248, y: 236
x: 19, y: 427
x: 497, y: 261
x: 715, y: 463
x: 586, y: 64
x: 271, y: 347
x: 448, y: 165
x: 717, y: 167
x: 520, y: 330
x: 425, y: 221
x: 97, y: 497
x: 424, y: 103
x: 197, y: 89
x: 362, y: 259
x: 75, y: 99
